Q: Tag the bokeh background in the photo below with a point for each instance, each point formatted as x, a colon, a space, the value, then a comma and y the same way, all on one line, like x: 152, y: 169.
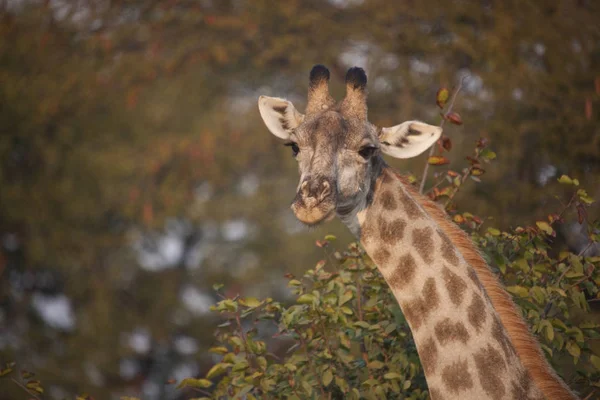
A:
x: 135, y: 171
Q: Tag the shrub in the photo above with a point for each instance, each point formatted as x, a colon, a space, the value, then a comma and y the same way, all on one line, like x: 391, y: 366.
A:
x: 349, y: 340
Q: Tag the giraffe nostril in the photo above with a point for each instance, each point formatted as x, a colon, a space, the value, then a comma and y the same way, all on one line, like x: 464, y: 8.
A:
x: 316, y: 189
x: 305, y: 189
x: 325, y: 191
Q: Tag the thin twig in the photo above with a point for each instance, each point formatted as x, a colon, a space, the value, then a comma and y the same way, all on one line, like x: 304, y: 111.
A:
x: 442, y: 180
x: 25, y: 388
x: 582, y: 252
x: 426, y: 170
x: 201, y: 391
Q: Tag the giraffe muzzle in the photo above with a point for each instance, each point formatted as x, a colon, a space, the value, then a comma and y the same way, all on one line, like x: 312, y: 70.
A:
x: 314, y: 202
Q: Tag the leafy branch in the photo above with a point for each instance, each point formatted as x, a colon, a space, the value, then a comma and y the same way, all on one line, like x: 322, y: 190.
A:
x: 441, y: 98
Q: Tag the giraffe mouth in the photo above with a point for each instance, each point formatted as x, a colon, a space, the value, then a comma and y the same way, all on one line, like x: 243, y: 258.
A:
x: 312, y: 213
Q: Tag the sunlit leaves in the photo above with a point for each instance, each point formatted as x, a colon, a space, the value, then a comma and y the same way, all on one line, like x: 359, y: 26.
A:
x: 442, y: 97
x: 568, y: 181
x: 335, y: 338
x: 438, y: 160
x: 518, y: 290
x: 328, y: 327
x: 546, y: 228
x: 595, y: 360
x: 7, y: 369
x: 487, y: 155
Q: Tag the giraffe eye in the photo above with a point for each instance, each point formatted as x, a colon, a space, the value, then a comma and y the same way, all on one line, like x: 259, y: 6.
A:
x: 367, y: 152
x: 295, y: 148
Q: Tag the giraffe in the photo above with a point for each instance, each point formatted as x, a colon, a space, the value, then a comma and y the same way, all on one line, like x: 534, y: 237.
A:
x: 471, y: 340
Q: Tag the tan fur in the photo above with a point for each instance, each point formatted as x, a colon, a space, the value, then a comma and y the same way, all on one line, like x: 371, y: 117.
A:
x: 526, y: 346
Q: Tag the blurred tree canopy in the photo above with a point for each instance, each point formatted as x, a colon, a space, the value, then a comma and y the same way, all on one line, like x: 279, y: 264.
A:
x: 135, y: 171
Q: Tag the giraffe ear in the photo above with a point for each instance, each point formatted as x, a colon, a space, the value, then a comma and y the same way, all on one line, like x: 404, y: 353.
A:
x: 409, y: 139
x: 279, y: 115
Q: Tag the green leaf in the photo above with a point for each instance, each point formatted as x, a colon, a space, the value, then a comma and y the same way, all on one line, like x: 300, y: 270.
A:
x: 441, y: 97
x: 195, y: 383
x: 371, y: 382
x: 244, y: 391
x: 519, y: 291
x: 549, y: 329
x: 392, y: 375
x: 487, y: 154
x: 566, y: 180
x: 573, y: 349
x: 493, y: 231
x: 438, y: 160
x: 330, y: 238
x: 26, y: 374
x: 595, y: 361
x: 251, y: 302
x: 347, y: 296
x: 584, y: 197
x: 240, y: 366
x: 217, y: 370
x: 346, y: 310
x: 229, y: 304
x: 544, y: 226
x: 306, y: 299
x: 262, y: 362
x: 218, y: 350
x: 327, y: 377
x: 362, y: 324
x: 375, y: 365
x: 236, y: 341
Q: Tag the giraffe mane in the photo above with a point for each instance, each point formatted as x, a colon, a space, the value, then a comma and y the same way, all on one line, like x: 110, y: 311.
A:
x: 526, y: 346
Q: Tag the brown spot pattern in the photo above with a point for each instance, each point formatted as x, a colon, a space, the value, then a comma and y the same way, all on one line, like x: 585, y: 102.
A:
x: 447, y: 331
x: 489, y: 364
x: 520, y: 387
x: 417, y: 310
x: 430, y: 293
x: 473, y: 276
x: 499, y: 335
x: 410, y: 206
x: 457, y: 378
x: 387, y: 201
x: 476, y: 312
x: 381, y: 256
x: 391, y: 232
x: 428, y: 354
x: 387, y: 177
x: 404, y: 272
x: 448, y: 250
x: 455, y: 286
x: 422, y: 241
x: 367, y: 232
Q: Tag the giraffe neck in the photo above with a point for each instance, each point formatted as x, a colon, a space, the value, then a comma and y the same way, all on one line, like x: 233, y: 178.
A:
x: 470, y: 339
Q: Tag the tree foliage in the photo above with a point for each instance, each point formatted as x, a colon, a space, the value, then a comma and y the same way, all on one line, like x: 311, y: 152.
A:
x: 127, y: 123
x: 349, y: 338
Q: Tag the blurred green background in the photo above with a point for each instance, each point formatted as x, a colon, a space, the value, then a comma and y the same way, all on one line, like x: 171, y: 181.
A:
x: 135, y: 171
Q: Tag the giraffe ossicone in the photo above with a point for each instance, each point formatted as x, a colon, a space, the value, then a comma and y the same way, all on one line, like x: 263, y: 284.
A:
x: 471, y: 339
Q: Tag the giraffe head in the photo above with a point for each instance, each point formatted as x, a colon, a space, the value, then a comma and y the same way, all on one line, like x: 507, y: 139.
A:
x: 338, y: 150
